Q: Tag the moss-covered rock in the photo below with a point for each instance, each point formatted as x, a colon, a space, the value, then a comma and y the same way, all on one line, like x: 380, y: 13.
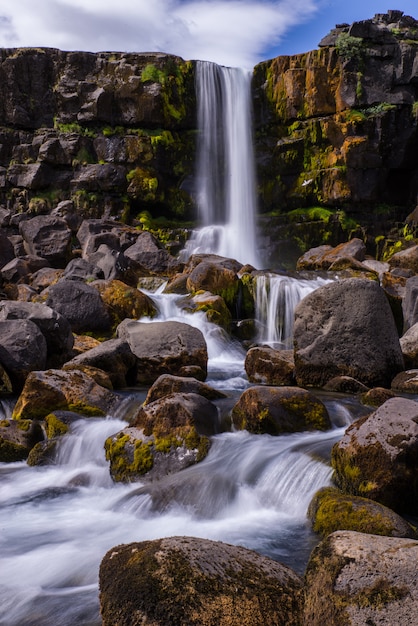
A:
x: 182, y: 580
x: 267, y: 366
x: 278, y: 410
x: 18, y: 438
x: 124, y: 302
x: 331, y: 510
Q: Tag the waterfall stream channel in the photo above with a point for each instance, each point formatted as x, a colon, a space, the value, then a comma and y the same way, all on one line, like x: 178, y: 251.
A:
x: 58, y: 521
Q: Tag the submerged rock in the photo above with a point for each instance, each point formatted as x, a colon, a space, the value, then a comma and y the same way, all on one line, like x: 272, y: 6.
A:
x: 185, y: 580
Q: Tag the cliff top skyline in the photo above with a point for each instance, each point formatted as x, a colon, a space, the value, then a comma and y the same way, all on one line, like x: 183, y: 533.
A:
x: 229, y: 32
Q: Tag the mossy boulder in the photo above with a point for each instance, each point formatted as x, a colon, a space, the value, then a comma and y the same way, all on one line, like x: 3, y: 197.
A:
x: 123, y: 301
x: 331, y: 510
x: 184, y: 580
x: 214, y: 307
x: 278, y: 410
x: 18, y: 438
x: 166, y: 436
x: 166, y: 384
x: 267, y: 366
x: 377, y: 457
x: 74, y: 390
x: 356, y: 578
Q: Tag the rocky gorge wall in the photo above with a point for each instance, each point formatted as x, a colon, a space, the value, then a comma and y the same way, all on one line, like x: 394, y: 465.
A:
x: 115, y: 133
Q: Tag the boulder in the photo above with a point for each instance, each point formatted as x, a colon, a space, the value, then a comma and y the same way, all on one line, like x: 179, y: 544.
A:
x: 184, y: 580
x: 116, y: 265
x: 355, y: 578
x: 346, y: 328
x: 216, y: 274
x: 166, y: 384
x: 409, y: 347
x: 278, y: 410
x: 80, y: 304
x: 6, y: 250
x: 81, y: 269
x: 214, y: 308
x: 164, y: 348
x: 54, y: 327
x: 331, y: 510
x: 377, y: 396
x: 17, y: 439
x: 23, y: 348
x: 53, y: 390
x: 113, y: 356
x: 20, y: 269
x: 409, y: 302
x: 406, y: 382
x: 124, y: 302
x: 267, y: 366
x: 48, y: 237
x: 342, y: 256
x: 165, y: 437
x: 149, y: 253
x: 345, y: 384
x: 405, y: 259
x: 377, y: 457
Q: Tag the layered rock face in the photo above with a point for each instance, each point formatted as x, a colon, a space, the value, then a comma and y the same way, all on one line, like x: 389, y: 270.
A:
x: 338, y: 126
x: 110, y: 131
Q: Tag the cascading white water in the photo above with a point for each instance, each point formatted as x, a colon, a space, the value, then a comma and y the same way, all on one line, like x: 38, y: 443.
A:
x: 225, y: 165
x: 276, y: 299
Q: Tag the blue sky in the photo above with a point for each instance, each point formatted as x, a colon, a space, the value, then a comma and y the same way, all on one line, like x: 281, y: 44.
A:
x: 229, y: 32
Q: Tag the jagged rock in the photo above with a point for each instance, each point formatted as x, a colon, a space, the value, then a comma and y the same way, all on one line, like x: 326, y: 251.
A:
x: 81, y: 269
x: 354, y: 578
x: 346, y: 328
x: 20, y: 270
x: 80, y: 304
x: 266, y: 366
x: 73, y: 390
x: 45, y: 277
x: 166, y: 436
x: 331, y: 510
x: 54, y: 327
x: 164, y: 348
x: 167, y: 384
x: 113, y: 356
x: 377, y: 456
x: 405, y: 259
x: 278, y: 410
x: 326, y: 257
x: 196, y: 581
x: 115, y: 265
x: 151, y: 255
x: 6, y: 250
x: 23, y: 348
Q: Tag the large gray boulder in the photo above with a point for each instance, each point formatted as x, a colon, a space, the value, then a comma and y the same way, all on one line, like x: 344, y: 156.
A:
x: 114, y: 357
x: 149, y: 253
x: 80, y: 304
x: 185, y: 580
x: 377, y: 457
x: 359, y: 579
x: 23, y: 348
x: 54, y: 327
x: 48, y: 237
x: 164, y: 348
x: 346, y: 328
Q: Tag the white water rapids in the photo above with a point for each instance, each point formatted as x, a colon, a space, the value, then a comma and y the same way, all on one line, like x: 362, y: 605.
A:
x: 58, y: 521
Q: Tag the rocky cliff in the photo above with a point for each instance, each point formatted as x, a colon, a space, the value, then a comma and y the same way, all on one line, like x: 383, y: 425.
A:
x: 115, y: 133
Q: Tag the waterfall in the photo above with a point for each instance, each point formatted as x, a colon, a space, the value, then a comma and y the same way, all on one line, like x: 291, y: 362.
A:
x: 276, y: 299
x: 226, y: 196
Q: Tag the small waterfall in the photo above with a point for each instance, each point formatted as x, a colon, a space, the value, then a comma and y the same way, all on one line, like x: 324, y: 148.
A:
x: 225, y: 165
x: 276, y: 299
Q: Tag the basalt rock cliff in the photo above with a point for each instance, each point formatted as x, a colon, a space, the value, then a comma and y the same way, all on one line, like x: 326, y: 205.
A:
x: 115, y: 133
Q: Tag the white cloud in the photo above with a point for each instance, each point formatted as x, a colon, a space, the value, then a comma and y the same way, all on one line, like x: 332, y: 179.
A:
x: 230, y: 32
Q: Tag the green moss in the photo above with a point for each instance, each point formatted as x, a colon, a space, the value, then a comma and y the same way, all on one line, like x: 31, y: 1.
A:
x: 84, y: 409
x: 380, y: 594
x: 143, y: 459
x: 11, y: 452
x: 54, y: 426
x: 143, y: 184
x: 310, y: 214
x: 75, y: 127
x: 349, y: 47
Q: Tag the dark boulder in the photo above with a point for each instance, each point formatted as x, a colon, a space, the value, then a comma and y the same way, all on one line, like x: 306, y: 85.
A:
x: 23, y: 348
x: 80, y: 304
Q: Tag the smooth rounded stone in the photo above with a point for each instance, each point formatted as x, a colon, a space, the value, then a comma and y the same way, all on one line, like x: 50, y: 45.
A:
x: 123, y: 301
x: 345, y: 384
x: 278, y: 410
x: 17, y: 438
x: 166, y: 384
x: 23, y: 349
x: 48, y: 237
x: 164, y: 348
x: 331, y: 510
x: 377, y: 396
x: 406, y: 382
x: 113, y: 356
x: 266, y: 366
x: 377, y: 457
x: 409, y: 302
x: 405, y: 259
x: 409, y: 347
x: 358, y: 579
x: 185, y: 580
x: 54, y: 327
x: 346, y: 328
x: 165, y: 437
x: 74, y: 390
x: 217, y: 275
x: 80, y: 304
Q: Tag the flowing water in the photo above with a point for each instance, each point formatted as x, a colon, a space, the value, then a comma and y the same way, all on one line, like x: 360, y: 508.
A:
x: 58, y: 521
x: 226, y: 196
